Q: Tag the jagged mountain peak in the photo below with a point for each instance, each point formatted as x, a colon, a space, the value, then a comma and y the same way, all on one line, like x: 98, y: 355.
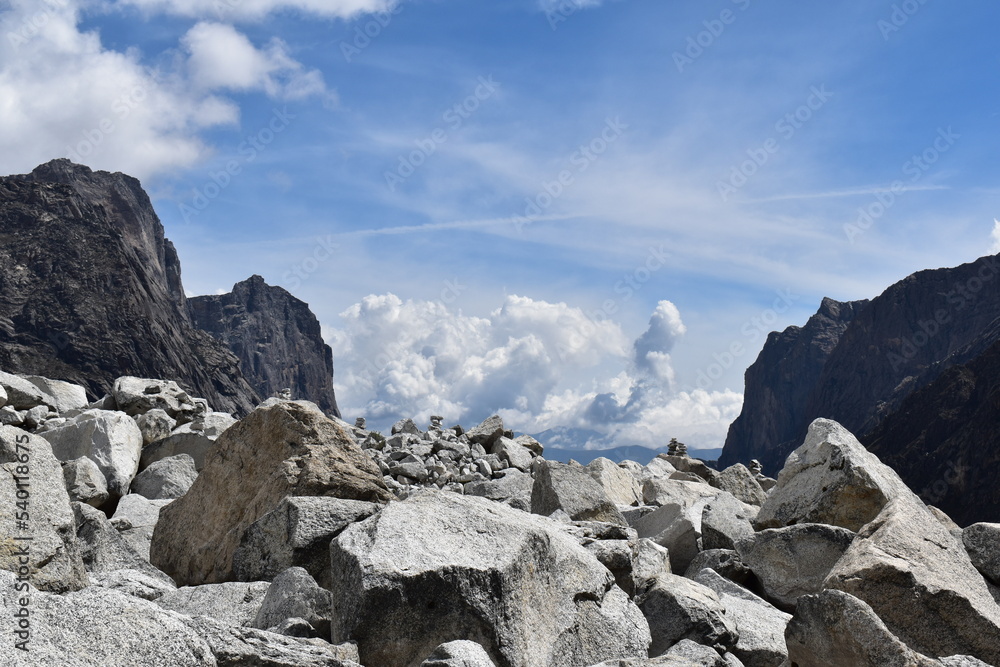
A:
x: 90, y: 290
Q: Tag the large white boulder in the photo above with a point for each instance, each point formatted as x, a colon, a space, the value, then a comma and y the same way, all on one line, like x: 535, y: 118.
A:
x: 65, y: 396
x: 110, y: 439
x: 37, y: 527
x: 273, y: 453
x: 920, y: 581
x: 138, y: 395
x: 439, y: 565
x: 570, y: 488
x: 831, y: 478
x: 23, y: 394
x: 794, y: 561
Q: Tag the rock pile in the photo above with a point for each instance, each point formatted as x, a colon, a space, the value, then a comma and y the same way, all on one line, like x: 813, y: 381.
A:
x: 447, y: 458
x: 292, y: 538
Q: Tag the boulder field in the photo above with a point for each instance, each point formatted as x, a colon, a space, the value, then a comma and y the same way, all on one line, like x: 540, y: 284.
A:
x: 146, y: 529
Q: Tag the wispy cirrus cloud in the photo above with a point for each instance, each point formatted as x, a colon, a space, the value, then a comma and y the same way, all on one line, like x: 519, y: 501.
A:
x: 255, y: 10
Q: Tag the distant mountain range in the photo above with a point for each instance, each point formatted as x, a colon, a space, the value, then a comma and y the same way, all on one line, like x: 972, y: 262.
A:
x: 585, y: 445
x: 914, y: 373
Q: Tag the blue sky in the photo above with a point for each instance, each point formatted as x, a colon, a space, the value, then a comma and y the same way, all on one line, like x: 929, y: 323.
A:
x: 581, y: 214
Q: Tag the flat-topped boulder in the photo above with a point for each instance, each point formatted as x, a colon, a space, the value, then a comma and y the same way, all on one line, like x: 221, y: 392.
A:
x: 570, y: 488
x: 135, y: 396
x: 439, y: 565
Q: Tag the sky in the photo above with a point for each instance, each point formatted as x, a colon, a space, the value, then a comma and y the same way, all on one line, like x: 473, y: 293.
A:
x: 577, y: 214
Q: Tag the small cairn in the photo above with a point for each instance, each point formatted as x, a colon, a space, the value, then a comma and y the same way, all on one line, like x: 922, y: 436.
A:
x: 675, y: 448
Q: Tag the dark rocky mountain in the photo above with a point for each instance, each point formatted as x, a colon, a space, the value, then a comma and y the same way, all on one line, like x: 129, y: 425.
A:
x: 945, y: 440
x: 90, y: 290
x: 774, y: 410
x: 907, y: 371
x: 276, y: 337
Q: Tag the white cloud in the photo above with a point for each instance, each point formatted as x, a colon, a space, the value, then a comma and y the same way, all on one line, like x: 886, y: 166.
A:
x: 532, y: 361
x: 258, y: 9
x: 995, y: 237
x: 64, y: 94
x: 652, y: 349
x: 223, y: 58
x: 567, y: 5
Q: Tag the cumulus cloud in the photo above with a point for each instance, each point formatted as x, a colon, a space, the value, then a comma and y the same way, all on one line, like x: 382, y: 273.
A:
x: 223, y: 58
x: 258, y: 9
x: 64, y: 94
x: 652, y: 349
x: 539, y: 365
x: 995, y: 237
x: 418, y: 358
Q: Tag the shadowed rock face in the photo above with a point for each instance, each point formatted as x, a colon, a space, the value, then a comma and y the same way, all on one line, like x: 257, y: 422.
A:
x: 944, y: 440
x: 276, y: 337
x: 90, y: 289
x: 913, y: 372
x: 778, y: 384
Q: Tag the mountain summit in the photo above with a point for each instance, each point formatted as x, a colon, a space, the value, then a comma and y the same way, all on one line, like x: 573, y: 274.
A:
x: 90, y: 290
x: 909, y: 371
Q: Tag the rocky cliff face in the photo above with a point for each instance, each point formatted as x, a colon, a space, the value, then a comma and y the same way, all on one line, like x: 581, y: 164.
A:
x: 777, y: 386
x: 933, y: 331
x: 905, y: 338
x: 276, y: 337
x: 944, y: 439
x: 91, y: 290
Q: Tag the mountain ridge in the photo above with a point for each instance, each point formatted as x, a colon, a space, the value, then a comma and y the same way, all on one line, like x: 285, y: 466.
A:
x: 91, y: 290
x: 905, y: 352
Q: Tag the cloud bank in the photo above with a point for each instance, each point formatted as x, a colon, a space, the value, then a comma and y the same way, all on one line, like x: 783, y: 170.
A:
x: 64, y: 94
x: 533, y: 362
